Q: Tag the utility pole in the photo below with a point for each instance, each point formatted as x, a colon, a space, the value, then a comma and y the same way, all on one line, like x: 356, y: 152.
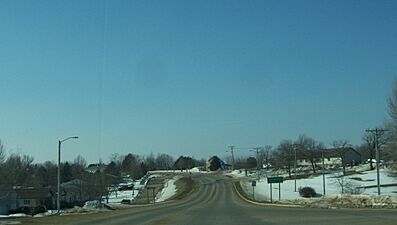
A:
x: 322, y: 154
x: 257, y: 162
x: 295, y: 148
x: 231, y: 150
x: 377, y: 132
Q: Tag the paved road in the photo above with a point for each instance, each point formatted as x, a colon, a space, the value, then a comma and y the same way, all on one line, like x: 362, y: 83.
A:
x: 217, y: 203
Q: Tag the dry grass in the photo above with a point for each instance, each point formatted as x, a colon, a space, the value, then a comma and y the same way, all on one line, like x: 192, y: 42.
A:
x: 185, y: 186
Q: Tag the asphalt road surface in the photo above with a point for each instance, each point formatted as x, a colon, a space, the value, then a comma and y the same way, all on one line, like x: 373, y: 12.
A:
x: 216, y: 202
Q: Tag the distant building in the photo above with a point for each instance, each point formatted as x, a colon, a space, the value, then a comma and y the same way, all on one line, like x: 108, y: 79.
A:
x: 74, y: 192
x: 8, y: 199
x: 34, y: 197
x: 214, y: 164
x: 93, y: 168
x: 334, y: 157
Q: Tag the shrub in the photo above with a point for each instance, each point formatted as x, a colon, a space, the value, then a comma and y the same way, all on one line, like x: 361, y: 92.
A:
x: 307, y: 192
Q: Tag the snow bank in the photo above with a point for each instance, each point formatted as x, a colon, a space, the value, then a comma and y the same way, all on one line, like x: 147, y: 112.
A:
x: 117, y: 197
x: 168, y: 191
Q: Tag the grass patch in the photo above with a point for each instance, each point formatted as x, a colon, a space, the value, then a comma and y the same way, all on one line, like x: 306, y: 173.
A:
x: 185, y: 186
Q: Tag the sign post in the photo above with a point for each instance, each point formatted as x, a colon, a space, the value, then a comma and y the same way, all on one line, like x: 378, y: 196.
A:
x: 275, y: 180
x: 279, y: 191
x: 253, y: 184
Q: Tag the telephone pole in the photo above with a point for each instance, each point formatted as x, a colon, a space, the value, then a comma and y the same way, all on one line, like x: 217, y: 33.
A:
x: 231, y: 150
x: 377, y: 132
x: 257, y: 161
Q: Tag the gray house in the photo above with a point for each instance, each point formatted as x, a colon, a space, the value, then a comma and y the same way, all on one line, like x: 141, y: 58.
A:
x: 8, y: 199
x: 74, y: 191
x: 343, y: 156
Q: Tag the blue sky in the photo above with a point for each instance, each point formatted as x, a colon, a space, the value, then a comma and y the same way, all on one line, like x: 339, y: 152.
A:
x: 191, y: 77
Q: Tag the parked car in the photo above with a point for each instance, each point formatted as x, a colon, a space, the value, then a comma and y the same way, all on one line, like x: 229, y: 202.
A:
x: 127, y: 201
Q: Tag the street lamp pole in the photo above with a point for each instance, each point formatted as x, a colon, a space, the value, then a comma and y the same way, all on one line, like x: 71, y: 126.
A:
x: 59, y: 172
x: 295, y: 168
x: 322, y: 154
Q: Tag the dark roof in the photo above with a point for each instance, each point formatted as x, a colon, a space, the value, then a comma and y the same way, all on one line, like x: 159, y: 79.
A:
x: 335, y: 152
x: 4, y: 191
x: 33, y: 193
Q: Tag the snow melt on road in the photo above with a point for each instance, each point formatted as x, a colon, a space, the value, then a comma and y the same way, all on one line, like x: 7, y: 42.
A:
x: 367, y: 178
x: 168, y: 191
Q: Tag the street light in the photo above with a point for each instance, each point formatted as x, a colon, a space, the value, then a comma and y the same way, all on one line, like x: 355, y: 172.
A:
x: 295, y: 147
x: 59, y: 171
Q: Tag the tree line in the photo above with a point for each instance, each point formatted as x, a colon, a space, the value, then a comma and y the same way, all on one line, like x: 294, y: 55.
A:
x: 18, y: 170
x: 307, y: 148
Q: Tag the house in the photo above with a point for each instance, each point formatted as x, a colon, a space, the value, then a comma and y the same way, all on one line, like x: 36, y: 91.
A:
x: 342, y: 157
x: 214, y: 164
x: 8, y: 199
x: 72, y: 192
x: 93, y: 168
x: 34, y: 197
x: 334, y: 157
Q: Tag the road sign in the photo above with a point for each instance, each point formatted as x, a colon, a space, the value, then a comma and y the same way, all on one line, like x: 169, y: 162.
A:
x: 253, y: 183
x: 272, y: 180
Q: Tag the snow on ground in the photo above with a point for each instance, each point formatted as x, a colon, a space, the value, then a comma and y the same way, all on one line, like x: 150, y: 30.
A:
x: 168, y: 191
x: 193, y: 170
x: 237, y: 173
x: 367, y: 178
x: 17, y: 215
x: 117, y: 197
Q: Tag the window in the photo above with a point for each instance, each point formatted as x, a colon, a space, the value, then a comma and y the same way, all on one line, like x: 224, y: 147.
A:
x: 26, y: 202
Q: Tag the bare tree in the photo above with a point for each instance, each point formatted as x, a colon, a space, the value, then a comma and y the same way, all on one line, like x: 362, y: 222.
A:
x: 164, y: 161
x: 285, y: 155
x: 370, y: 141
x: 264, y: 155
x: 2, y: 152
x: 340, y: 146
x: 80, y: 161
x: 346, y: 185
x: 133, y: 166
x: 391, y: 124
x: 309, y: 148
x: 150, y: 162
x: 18, y: 170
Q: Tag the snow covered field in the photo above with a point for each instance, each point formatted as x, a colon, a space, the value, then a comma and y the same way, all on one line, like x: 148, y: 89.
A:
x: 363, y: 179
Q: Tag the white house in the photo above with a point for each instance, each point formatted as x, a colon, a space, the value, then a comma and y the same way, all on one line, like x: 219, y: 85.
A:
x: 334, y: 157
